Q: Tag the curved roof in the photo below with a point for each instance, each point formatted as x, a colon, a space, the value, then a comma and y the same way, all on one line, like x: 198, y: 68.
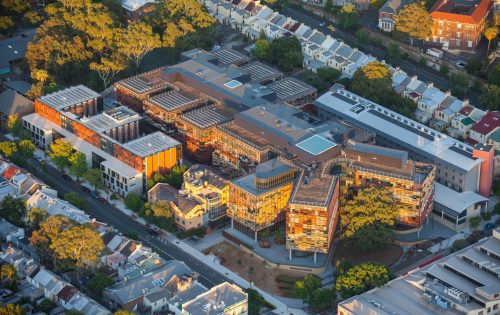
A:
x: 456, y: 201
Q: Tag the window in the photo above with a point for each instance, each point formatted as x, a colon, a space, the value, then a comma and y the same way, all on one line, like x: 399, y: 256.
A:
x: 469, y: 44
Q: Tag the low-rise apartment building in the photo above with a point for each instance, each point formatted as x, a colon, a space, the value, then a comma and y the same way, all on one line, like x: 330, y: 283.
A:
x: 459, y: 24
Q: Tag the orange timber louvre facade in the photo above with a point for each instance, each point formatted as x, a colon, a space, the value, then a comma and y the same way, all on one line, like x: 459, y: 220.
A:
x: 115, y: 131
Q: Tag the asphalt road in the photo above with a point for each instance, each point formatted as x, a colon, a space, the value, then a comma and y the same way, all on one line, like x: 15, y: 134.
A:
x: 411, y: 68
x: 123, y: 223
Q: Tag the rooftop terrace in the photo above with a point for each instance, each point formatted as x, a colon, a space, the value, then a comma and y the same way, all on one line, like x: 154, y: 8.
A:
x: 215, y: 300
x: 314, y: 187
x: 110, y: 119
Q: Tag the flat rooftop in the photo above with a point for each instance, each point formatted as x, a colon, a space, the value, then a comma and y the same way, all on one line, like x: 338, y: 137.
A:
x: 110, y: 119
x: 83, y: 146
x: 204, y: 117
x: 228, y: 56
x: 249, y: 137
x: 170, y: 101
x: 399, y: 129
x: 260, y: 72
x: 315, y: 145
x: 290, y: 89
x: 215, y: 300
x: 314, y: 188
x: 150, y: 144
x: 68, y: 97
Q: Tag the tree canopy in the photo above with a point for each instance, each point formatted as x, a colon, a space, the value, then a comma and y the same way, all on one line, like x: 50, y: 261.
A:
x: 78, y: 164
x: 415, y: 21
x: 309, y: 290
x: 362, y: 278
x: 284, y: 52
x: 60, y: 153
x: 94, y: 177
x: 13, y: 209
x: 8, y: 148
x: 490, y: 99
x: 348, y: 17
x: 11, y: 309
x: 80, y: 244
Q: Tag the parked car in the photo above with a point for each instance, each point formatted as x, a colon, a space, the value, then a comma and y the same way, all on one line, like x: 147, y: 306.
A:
x: 103, y: 201
x: 85, y: 189
x: 461, y: 64
x: 67, y: 177
x: 435, y: 52
x: 152, y: 232
x: 95, y: 194
x: 490, y: 226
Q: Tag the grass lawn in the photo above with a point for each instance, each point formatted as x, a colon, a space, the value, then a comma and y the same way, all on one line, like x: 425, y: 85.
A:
x: 386, y: 257
x: 253, y: 268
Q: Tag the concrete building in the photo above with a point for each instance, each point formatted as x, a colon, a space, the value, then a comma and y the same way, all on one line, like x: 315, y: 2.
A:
x: 224, y: 299
x: 465, y: 282
x: 456, y: 162
x: 459, y: 24
x: 9, y: 232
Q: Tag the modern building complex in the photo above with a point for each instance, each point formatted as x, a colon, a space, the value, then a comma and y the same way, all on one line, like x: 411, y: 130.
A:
x: 258, y: 201
x: 459, y: 166
x: 459, y: 24
x: 110, y: 139
x: 465, y: 282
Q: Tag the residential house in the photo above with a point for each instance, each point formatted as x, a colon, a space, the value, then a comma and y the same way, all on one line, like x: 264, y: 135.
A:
x: 9, y: 232
x: 450, y: 107
x: 387, y: 11
x: 138, y: 9
x: 483, y: 129
x: 464, y: 120
x: 429, y: 102
x: 188, y: 211
x: 13, y: 103
x: 224, y: 298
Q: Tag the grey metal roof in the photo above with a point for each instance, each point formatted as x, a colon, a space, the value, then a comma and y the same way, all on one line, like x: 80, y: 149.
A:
x: 204, y: 117
x: 260, y: 72
x: 68, y: 97
x: 378, y: 150
x: 14, y: 48
x: 291, y: 88
x: 228, y: 56
x: 12, y: 102
x: 150, y: 144
x: 170, y: 101
x: 317, y: 38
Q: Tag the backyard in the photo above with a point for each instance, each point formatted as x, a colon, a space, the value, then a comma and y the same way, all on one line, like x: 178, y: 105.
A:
x: 256, y: 270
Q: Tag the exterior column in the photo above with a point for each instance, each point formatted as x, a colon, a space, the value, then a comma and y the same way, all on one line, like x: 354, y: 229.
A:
x: 290, y: 255
x: 232, y: 223
x: 314, y: 256
x: 255, y: 236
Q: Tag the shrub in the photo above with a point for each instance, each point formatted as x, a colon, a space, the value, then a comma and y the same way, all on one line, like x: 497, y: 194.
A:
x: 74, y: 199
x: 134, y: 202
x: 459, y: 244
x: 486, y: 216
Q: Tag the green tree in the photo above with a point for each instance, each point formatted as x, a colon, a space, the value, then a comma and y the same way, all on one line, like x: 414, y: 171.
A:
x: 369, y: 216
x: 490, y: 33
x: 305, y: 288
x: 444, y: 70
x: 176, y: 176
x: 329, y: 5
x: 459, y: 85
x: 80, y: 244
x: 494, y: 75
x: 98, y: 283
x: 348, y: 17
x: 8, y: 277
x: 32, y: 17
x: 74, y: 199
x: 8, y: 148
x: 372, y: 237
x: 134, y: 202
x: 37, y: 216
x: 6, y: 22
x: 474, y: 222
x: 490, y: 99
x: 60, y: 152
x: 15, y: 126
x: 26, y: 149
x: 94, y: 177
x: 16, y: 6
x: 362, y: 36
x: 137, y: 41
x: 393, y: 51
x: 262, y: 49
x: 163, y: 214
x: 377, y: 4
x: 286, y: 53
x: 49, y: 230
x: 362, y: 278
x: 415, y: 21
x: 13, y: 209
x: 78, y: 164
x: 11, y: 309
x: 47, y: 305
x: 108, y: 68
x: 373, y: 81
x: 123, y: 312
x: 329, y: 75
x: 255, y: 302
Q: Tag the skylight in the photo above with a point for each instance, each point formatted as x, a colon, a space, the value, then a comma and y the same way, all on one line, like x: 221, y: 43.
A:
x: 233, y: 84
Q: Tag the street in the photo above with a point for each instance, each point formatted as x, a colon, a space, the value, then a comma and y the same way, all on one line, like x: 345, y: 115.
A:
x: 123, y: 223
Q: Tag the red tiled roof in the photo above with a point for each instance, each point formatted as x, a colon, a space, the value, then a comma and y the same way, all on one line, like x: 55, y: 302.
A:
x: 490, y: 122
x: 466, y: 110
x: 441, y: 11
x: 471, y: 141
x: 67, y: 293
x: 10, y: 172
